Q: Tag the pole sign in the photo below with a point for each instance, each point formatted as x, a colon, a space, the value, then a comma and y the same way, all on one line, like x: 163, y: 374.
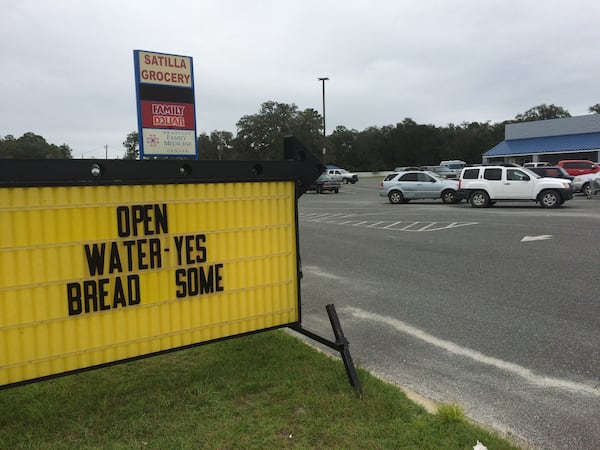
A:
x: 166, y: 104
x: 99, y: 266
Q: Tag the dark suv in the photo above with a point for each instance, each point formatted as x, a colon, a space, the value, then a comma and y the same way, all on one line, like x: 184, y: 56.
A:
x: 552, y: 171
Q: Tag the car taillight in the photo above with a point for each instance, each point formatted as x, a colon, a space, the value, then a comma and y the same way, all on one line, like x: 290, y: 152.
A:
x: 459, y: 181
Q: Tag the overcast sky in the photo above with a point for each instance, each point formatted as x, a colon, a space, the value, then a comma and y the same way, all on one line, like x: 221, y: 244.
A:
x: 68, y: 72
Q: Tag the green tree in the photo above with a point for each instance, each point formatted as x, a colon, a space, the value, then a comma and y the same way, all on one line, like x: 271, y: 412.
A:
x: 595, y: 109
x: 32, y: 146
x: 343, y: 146
x: 219, y: 145
x: 368, y: 148
x: 468, y: 141
x: 418, y: 144
x: 205, y: 147
x: 65, y: 151
x: 307, y: 126
x: 411, y: 144
x: 543, y: 112
x: 260, y: 136
x: 131, y: 145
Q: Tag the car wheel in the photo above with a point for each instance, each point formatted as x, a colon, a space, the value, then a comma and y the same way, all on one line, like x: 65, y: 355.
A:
x: 449, y: 196
x: 587, y: 189
x: 550, y: 199
x: 479, y: 199
x: 396, y: 197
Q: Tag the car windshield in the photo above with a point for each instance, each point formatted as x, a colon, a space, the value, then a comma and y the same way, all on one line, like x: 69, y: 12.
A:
x: 452, y: 166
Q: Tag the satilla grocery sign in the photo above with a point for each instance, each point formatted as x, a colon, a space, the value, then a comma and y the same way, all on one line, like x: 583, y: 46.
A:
x: 166, y: 104
x: 170, y: 70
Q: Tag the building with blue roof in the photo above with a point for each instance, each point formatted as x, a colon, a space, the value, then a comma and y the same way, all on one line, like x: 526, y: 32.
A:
x: 548, y: 140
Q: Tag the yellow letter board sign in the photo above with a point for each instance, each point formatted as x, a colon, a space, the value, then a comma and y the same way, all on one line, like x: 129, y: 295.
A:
x: 93, y: 274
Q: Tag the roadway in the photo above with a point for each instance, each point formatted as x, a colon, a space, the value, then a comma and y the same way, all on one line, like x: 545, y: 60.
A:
x: 494, y: 309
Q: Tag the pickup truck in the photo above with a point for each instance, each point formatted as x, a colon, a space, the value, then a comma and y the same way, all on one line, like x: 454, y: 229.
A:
x: 483, y: 186
x: 325, y: 183
x: 342, y: 175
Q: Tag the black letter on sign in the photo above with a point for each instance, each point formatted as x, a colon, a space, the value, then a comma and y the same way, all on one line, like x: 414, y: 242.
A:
x: 218, y: 278
x: 115, y: 259
x: 123, y: 225
x: 180, y: 283
x: 74, y: 298
x: 161, y: 218
x: 133, y: 283
x: 119, y: 295
x: 95, y: 258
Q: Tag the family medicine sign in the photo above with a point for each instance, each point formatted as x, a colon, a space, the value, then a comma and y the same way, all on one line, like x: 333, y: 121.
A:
x: 166, y: 104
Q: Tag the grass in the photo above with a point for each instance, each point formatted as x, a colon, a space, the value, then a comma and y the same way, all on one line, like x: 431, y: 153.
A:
x: 450, y: 413
x: 268, y: 390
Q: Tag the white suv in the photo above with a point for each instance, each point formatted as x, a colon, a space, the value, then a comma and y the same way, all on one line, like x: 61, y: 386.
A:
x: 485, y: 185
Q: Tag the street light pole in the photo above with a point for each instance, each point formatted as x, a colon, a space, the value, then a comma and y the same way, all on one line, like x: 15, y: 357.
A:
x: 323, y: 80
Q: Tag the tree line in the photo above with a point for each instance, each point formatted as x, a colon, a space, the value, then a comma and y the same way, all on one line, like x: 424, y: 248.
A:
x: 260, y: 137
x: 32, y: 146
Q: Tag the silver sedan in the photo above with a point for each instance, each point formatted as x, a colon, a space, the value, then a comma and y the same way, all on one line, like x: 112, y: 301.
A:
x: 400, y: 187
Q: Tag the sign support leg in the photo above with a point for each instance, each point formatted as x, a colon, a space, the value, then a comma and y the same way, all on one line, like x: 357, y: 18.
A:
x: 341, y: 345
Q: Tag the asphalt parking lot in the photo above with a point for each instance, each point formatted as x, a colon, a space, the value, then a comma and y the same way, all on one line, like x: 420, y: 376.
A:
x: 496, y: 309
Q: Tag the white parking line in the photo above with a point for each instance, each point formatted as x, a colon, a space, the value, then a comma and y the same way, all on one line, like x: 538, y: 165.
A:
x: 314, y: 270
x: 337, y: 219
x: 407, y: 227
x: 317, y: 217
x: 543, y: 237
x: 375, y: 224
x: 391, y: 225
x: 523, y: 372
x: 426, y: 227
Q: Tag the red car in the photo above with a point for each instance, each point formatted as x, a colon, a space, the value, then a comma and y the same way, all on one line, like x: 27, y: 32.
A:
x: 578, y: 166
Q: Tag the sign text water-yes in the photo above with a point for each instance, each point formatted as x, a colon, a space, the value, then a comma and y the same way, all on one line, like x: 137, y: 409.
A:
x: 122, y: 260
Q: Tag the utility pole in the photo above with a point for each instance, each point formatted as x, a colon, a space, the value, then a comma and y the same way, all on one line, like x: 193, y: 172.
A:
x: 106, y: 151
x: 323, y: 80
